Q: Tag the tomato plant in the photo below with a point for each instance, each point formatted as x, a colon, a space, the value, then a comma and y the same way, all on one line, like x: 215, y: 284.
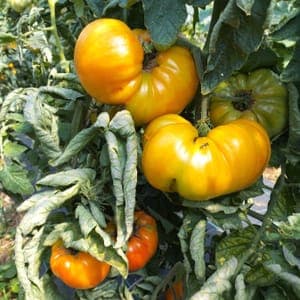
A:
x: 175, y: 159
x: 258, y: 96
x: 87, y: 89
x: 132, y: 78
x: 79, y: 270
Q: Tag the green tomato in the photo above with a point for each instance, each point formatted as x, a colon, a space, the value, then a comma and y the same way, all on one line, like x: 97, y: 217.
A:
x: 258, y: 96
x: 19, y: 5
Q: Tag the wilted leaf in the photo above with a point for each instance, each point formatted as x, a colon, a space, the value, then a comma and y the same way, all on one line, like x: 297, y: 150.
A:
x: 218, y: 282
x: 68, y: 177
x: 197, y: 249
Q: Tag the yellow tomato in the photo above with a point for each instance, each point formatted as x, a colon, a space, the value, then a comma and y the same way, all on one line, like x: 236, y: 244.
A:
x: 230, y: 158
x: 113, y: 68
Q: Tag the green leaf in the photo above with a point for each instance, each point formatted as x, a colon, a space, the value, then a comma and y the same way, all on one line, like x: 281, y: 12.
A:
x: 77, y: 143
x: 6, y: 37
x: 14, y: 178
x: 38, y: 214
x: 235, y: 244
x: 218, y: 282
x: 291, y: 228
x: 42, y: 117
x: 234, y: 36
x: 12, y: 149
x: 290, y: 73
x: 197, y: 249
x: 34, y: 199
x: 79, y: 7
x: 290, y: 30
x: 164, y: 19
x: 245, y: 5
x: 69, y: 177
x: 290, y: 257
x: 290, y: 278
x: 122, y: 149
x: 262, y: 58
x: 294, y: 125
x: 200, y: 3
x: 64, y: 93
x: 242, y: 291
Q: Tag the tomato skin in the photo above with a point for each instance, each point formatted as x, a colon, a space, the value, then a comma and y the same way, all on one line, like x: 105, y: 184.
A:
x: 80, y: 270
x: 230, y: 158
x: 175, y: 292
x: 143, y: 243
x: 266, y: 97
x: 109, y: 61
x: 167, y: 88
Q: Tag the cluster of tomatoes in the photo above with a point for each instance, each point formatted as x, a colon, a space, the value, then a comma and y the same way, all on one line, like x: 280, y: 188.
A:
x: 116, y: 67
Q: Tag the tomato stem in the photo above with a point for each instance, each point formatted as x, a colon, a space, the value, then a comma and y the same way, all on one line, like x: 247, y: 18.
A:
x: 63, y: 60
x: 203, y: 125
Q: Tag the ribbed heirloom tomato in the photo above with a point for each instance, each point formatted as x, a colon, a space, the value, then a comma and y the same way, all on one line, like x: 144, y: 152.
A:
x: 175, y: 292
x: 259, y: 96
x: 143, y: 241
x: 112, y: 67
x: 230, y: 158
x: 79, y: 270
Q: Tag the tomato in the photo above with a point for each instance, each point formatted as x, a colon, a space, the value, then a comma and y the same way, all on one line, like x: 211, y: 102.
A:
x: 112, y: 67
x: 259, y: 96
x: 175, y: 292
x: 143, y: 242
x: 19, y: 5
x: 230, y: 158
x: 79, y: 270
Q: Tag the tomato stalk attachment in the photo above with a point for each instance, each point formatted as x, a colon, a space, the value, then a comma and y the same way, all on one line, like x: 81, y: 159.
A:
x: 203, y: 125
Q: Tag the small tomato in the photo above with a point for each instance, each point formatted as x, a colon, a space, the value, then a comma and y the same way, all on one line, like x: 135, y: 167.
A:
x: 79, y: 270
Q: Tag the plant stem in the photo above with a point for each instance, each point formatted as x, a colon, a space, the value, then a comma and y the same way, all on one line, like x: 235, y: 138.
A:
x: 204, y: 108
x: 61, y: 53
x: 267, y: 221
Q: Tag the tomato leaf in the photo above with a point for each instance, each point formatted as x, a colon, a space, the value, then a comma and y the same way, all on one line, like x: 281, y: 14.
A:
x: 12, y: 149
x: 122, y: 149
x: 235, y: 244
x: 290, y: 278
x: 14, y: 178
x: 218, y: 282
x: 242, y: 291
x: 69, y: 177
x: 42, y: 117
x: 234, y: 36
x: 30, y: 252
x: 38, y: 214
x: 290, y: 257
x: 106, y: 290
x: 197, y: 249
x: 294, y: 125
x: 290, y: 73
x: 163, y: 19
x: 291, y: 228
x: 245, y: 5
